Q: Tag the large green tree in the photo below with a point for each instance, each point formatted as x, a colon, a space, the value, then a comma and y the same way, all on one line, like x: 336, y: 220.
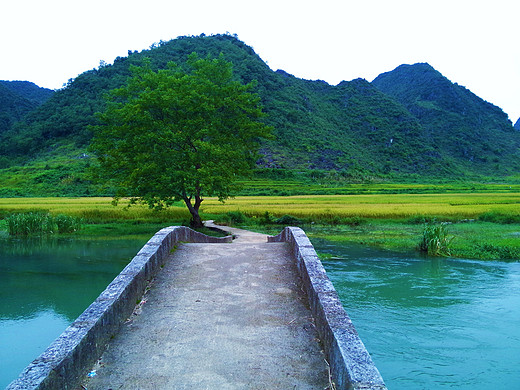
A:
x: 179, y: 134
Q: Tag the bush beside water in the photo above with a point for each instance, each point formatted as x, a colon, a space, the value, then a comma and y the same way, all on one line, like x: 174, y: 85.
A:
x: 435, y: 240
x: 37, y: 224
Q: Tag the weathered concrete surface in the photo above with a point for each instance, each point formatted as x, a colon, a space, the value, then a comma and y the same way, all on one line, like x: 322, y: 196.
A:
x: 219, y: 316
x: 351, y: 366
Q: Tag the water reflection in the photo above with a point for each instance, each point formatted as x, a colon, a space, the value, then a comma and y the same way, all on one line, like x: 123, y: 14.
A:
x: 432, y: 323
x: 45, y: 284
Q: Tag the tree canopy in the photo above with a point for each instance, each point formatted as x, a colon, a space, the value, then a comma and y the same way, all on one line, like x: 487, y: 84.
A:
x: 179, y: 134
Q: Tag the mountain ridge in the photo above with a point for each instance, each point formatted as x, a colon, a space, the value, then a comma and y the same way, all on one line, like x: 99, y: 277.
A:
x: 354, y: 127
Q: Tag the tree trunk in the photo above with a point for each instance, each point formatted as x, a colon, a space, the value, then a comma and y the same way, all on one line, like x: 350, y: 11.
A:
x: 196, y: 221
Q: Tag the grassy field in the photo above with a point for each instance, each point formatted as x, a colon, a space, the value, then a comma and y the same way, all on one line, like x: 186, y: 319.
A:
x: 472, y: 240
x: 379, y: 206
x: 64, y: 171
x: 327, y: 185
x: 483, y: 225
x: 321, y: 208
x: 92, y: 209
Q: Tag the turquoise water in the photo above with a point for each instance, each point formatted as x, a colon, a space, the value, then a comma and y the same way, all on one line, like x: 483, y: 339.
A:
x: 431, y: 323
x: 45, y: 285
x: 428, y: 323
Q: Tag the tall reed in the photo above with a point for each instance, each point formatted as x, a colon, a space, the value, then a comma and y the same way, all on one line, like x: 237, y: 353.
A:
x: 34, y: 223
x: 435, y: 240
x: 67, y: 224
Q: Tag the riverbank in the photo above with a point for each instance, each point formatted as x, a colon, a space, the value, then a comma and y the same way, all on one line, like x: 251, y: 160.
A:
x: 483, y: 226
x: 468, y: 239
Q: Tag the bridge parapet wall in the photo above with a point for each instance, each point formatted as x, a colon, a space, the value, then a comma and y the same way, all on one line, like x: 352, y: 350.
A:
x: 350, y: 363
x: 66, y: 361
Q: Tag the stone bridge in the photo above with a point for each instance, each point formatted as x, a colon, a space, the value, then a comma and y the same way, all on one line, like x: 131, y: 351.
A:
x: 246, y: 311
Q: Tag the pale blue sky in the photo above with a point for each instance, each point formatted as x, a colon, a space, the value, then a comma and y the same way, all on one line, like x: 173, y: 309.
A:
x: 472, y: 42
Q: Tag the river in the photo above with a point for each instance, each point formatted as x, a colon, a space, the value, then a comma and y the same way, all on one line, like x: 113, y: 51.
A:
x: 45, y: 284
x: 431, y: 323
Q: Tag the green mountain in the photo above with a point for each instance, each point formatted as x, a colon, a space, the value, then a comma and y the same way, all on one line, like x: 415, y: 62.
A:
x: 462, y: 128
x: 409, y: 121
x: 517, y: 124
x: 29, y: 91
x: 351, y: 127
x: 17, y: 98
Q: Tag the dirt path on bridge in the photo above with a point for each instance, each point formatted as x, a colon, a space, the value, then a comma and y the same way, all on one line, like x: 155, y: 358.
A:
x: 218, y: 317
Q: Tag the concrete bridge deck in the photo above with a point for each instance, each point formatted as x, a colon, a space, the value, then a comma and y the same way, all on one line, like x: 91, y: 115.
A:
x: 219, y: 316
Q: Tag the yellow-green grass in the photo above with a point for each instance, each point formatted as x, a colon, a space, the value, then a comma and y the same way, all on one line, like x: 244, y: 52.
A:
x: 476, y: 240
x: 380, y: 206
x: 92, y: 209
x: 325, y: 186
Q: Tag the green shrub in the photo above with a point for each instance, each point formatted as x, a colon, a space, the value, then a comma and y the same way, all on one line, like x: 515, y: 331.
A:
x: 267, y: 218
x: 232, y: 218
x: 350, y: 221
x: 435, y: 240
x: 420, y: 219
x: 288, y: 220
x: 236, y: 217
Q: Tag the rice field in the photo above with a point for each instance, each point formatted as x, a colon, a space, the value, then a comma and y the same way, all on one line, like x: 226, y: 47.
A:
x: 379, y: 206
x: 92, y: 209
x: 322, y: 186
x: 319, y: 207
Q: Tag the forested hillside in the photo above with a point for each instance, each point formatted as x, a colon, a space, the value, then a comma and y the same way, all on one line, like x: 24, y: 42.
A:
x: 459, y: 125
x: 409, y: 121
x: 517, y: 124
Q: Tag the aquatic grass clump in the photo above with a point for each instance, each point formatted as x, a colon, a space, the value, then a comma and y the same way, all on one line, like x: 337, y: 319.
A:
x: 67, y: 224
x: 435, y: 239
x: 27, y: 224
x: 37, y: 224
